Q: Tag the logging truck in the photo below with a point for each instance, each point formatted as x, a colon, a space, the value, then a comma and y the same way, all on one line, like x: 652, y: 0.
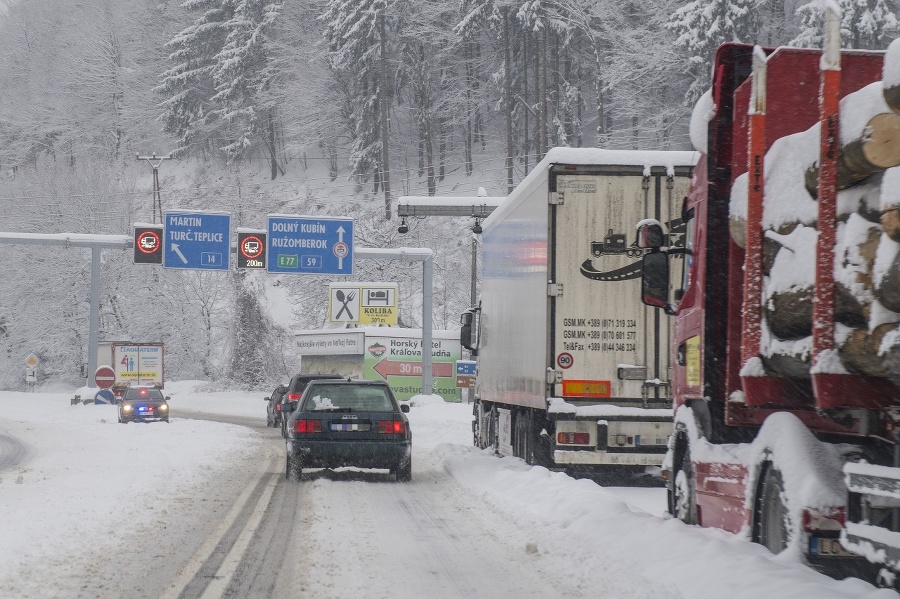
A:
x: 572, y: 371
x: 786, y: 306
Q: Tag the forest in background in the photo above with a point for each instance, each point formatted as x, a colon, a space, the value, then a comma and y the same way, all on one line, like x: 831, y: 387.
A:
x: 320, y: 107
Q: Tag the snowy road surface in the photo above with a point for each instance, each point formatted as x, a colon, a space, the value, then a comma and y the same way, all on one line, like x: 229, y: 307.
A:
x: 199, y: 508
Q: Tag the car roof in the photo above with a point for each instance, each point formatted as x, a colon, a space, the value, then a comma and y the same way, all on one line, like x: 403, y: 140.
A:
x: 344, y: 381
x: 313, y: 377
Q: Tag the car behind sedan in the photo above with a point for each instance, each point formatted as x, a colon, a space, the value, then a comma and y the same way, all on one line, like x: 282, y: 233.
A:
x: 143, y: 404
x: 273, y: 406
x: 349, y: 423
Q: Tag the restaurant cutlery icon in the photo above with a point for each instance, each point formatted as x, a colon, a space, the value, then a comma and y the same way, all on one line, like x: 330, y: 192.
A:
x: 344, y: 303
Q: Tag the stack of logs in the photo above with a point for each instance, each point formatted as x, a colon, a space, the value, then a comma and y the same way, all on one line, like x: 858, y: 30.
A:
x: 867, y: 345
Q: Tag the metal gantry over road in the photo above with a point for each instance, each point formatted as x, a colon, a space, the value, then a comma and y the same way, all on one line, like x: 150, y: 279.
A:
x: 318, y: 246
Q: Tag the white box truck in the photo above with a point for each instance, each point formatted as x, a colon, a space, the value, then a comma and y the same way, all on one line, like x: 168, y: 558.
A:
x: 573, y: 371
x: 133, y: 363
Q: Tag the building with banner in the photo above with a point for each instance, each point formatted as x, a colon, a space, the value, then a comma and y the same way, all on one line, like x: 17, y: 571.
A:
x: 390, y: 354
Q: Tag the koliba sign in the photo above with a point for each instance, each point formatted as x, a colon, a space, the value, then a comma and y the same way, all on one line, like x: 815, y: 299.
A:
x: 363, y: 303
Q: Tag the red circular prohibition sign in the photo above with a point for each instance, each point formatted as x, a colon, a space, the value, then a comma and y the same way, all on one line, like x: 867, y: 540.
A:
x: 148, y: 242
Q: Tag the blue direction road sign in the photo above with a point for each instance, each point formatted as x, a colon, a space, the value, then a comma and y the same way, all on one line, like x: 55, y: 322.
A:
x: 199, y: 240
x: 309, y: 245
x: 465, y: 367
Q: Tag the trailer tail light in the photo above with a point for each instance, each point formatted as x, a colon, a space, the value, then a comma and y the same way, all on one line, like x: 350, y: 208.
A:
x: 294, y: 396
x: 307, y: 426
x: 573, y: 438
x: 829, y: 519
x: 391, y: 427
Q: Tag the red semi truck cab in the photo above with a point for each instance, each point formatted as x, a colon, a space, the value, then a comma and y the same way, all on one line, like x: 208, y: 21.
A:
x: 765, y: 426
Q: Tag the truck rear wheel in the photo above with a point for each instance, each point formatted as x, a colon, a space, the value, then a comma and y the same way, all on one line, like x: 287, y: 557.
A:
x: 683, y: 490
x: 772, y: 516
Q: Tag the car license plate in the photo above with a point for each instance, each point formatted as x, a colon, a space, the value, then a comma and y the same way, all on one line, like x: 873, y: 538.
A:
x: 827, y: 548
x: 346, y: 426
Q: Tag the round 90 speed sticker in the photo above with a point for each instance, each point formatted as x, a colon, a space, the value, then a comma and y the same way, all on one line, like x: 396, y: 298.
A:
x: 565, y: 360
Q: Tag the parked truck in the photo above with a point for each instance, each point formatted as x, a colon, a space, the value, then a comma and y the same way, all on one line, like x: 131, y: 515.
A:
x: 133, y: 363
x: 787, y: 306
x: 572, y: 371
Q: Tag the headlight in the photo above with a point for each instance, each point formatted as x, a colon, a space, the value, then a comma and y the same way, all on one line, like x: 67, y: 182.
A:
x: 127, y: 407
x: 164, y: 407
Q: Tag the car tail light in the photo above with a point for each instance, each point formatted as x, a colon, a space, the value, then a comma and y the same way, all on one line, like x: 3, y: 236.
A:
x: 391, y: 427
x: 293, y: 396
x: 278, y: 407
x: 307, y: 426
x: 832, y: 519
x: 573, y: 438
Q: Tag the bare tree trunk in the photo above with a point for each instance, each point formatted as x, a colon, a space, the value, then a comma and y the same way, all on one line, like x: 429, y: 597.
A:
x: 527, y: 110
x: 508, y: 101
x: 469, y: 126
x: 544, y: 91
x: 383, y: 105
x: 602, y: 131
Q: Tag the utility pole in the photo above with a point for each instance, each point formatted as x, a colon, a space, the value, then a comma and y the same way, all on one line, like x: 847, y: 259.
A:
x: 155, y: 161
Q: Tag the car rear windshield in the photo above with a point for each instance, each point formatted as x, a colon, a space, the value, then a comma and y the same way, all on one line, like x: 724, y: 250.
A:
x: 139, y: 394
x: 363, y: 398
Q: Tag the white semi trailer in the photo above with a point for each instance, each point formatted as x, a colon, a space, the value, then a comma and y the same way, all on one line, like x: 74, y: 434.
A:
x: 572, y: 371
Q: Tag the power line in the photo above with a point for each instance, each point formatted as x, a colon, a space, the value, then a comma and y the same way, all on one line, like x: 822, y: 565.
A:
x: 269, y: 191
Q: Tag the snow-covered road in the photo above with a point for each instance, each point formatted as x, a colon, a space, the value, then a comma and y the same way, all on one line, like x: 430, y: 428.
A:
x: 92, y: 508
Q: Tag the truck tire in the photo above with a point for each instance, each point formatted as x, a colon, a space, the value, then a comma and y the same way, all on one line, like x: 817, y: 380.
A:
x: 772, y: 516
x: 478, y: 425
x: 683, y: 490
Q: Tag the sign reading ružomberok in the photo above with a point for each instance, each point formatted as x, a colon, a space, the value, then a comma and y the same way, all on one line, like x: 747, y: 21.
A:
x: 309, y: 245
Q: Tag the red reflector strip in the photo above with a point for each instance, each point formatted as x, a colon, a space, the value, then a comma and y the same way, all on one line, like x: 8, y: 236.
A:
x: 391, y: 427
x: 573, y: 438
x: 307, y: 426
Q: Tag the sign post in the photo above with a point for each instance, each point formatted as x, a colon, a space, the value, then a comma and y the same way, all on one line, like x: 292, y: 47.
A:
x: 197, y: 240
x: 465, y: 374
x: 31, y: 363
x: 309, y: 245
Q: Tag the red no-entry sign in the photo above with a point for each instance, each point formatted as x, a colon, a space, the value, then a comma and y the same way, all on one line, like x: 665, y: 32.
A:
x: 105, y: 377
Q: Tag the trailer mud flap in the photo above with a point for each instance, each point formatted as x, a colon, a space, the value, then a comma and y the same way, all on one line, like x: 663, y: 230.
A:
x: 504, y: 433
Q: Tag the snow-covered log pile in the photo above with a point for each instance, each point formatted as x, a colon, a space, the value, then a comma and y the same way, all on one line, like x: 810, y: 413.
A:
x: 867, y: 259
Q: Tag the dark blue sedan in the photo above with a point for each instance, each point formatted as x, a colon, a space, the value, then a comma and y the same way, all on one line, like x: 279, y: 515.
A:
x: 349, y: 423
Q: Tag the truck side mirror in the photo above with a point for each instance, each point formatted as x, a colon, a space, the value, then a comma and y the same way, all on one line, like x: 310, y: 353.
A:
x: 465, y: 331
x: 655, y: 281
x: 650, y: 234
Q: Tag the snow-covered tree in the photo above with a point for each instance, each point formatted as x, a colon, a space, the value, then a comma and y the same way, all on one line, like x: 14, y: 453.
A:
x: 865, y: 24
x: 702, y: 25
x: 188, y: 87
x: 243, y: 77
x: 356, y: 34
